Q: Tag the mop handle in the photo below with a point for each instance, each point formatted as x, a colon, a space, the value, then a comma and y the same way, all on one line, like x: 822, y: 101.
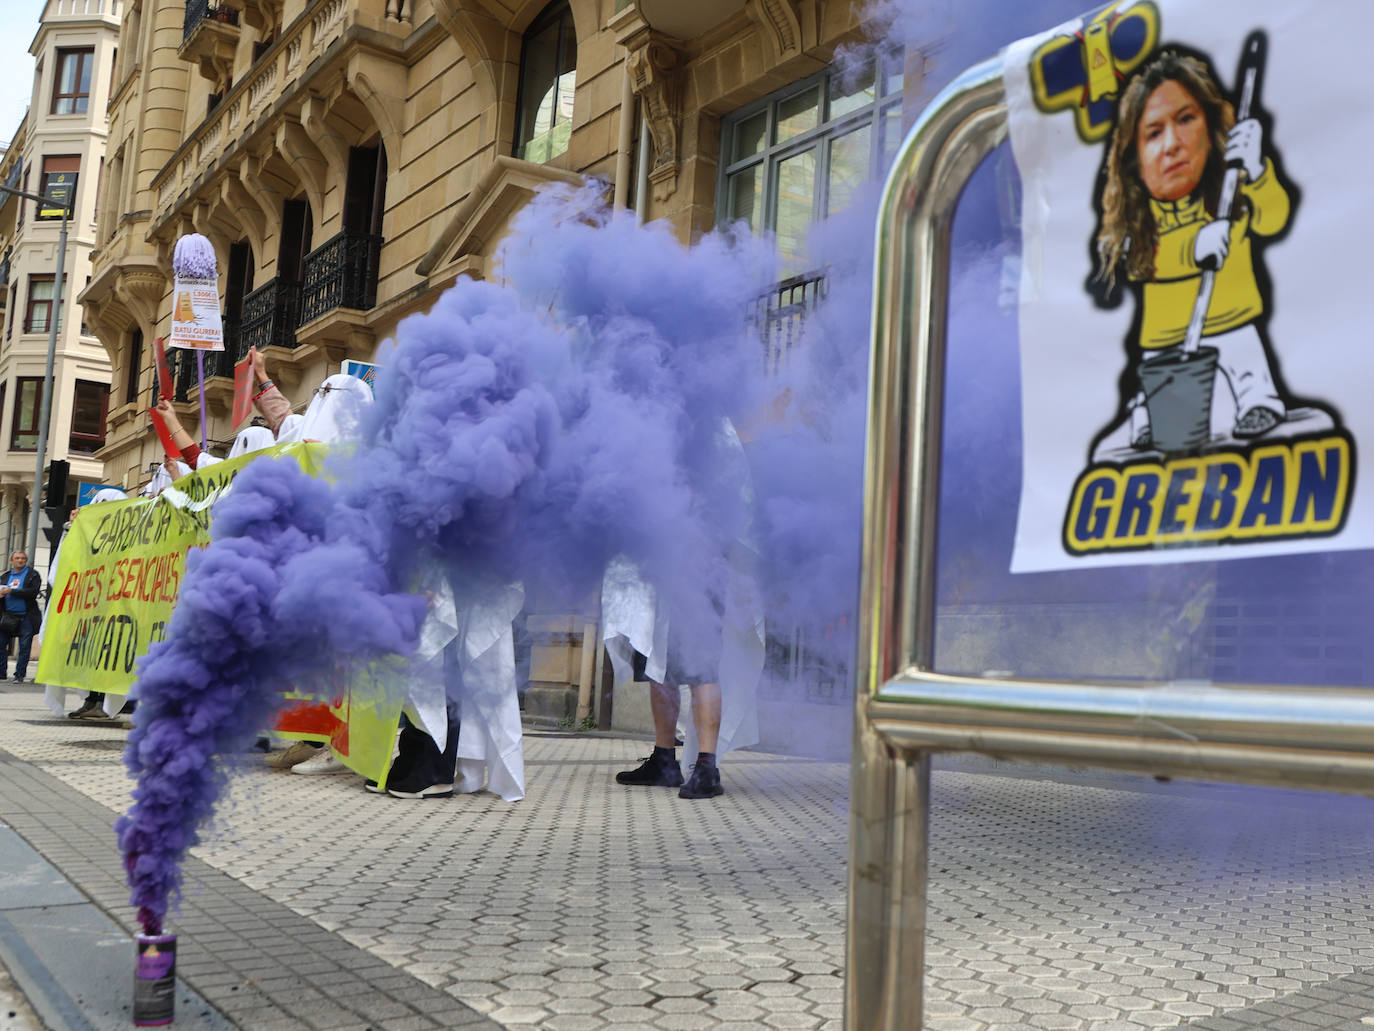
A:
x: 1251, y: 62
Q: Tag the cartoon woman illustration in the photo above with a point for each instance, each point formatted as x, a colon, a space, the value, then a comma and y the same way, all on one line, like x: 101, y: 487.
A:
x: 1174, y: 138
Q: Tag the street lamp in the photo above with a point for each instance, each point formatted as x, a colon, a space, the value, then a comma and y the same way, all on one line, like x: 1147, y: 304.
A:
x: 45, y: 408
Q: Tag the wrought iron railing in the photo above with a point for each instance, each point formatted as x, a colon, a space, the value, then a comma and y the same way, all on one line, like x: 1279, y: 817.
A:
x: 341, y: 273
x: 183, y: 361
x: 198, y: 11
x: 780, y: 314
x: 270, y: 316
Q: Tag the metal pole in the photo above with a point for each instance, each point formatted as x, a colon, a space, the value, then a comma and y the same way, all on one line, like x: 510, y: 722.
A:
x: 46, y: 409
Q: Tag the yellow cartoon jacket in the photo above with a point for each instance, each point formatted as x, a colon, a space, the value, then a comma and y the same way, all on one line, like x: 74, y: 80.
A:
x: 1169, y: 296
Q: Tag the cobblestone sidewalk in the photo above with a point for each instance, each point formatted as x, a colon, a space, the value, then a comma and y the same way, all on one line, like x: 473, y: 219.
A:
x: 1059, y: 899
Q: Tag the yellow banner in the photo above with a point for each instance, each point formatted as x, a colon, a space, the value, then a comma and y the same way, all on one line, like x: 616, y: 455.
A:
x: 120, y: 569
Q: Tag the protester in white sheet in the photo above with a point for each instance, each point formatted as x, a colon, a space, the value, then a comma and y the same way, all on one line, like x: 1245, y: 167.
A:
x: 723, y: 687
x: 461, y: 728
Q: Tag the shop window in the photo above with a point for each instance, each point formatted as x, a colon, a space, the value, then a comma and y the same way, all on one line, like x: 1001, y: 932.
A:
x: 548, y: 77
x: 800, y: 154
x: 72, y: 88
x: 24, y: 424
x: 89, y: 408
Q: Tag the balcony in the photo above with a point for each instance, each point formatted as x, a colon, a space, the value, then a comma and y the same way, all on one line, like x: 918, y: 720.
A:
x: 270, y: 316
x: 781, y: 313
x: 341, y: 273
x: 210, y: 37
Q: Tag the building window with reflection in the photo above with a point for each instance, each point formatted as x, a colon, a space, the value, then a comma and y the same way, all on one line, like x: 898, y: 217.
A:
x: 548, y: 78
x: 39, y: 311
x: 800, y: 154
x: 89, y: 408
x: 24, y: 424
x: 72, y: 88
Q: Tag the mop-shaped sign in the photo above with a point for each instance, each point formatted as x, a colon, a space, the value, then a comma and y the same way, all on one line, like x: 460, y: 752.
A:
x: 196, y: 322
x: 1207, y: 444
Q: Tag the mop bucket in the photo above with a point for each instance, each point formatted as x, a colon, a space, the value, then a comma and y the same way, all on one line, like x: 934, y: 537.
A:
x: 1178, y: 396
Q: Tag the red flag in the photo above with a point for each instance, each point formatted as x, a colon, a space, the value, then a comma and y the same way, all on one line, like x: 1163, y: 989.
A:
x: 164, y: 371
x: 243, y: 391
x: 163, y: 433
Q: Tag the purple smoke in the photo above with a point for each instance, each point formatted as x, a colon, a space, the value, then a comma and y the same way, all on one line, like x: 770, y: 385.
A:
x: 530, y: 431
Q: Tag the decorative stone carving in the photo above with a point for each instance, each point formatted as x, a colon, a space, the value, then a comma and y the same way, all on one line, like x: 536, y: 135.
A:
x: 789, y: 26
x: 657, y: 73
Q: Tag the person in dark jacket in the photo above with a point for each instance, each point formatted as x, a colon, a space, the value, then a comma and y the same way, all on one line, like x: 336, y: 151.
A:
x: 19, y: 590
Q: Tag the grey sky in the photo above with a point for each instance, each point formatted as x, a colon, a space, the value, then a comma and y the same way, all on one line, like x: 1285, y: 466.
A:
x: 18, y: 25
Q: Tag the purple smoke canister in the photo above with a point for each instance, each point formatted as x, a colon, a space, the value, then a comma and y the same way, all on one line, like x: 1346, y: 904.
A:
x: 155, y: 979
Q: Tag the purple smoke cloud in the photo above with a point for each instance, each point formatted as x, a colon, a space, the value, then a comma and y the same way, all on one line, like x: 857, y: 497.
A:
x: 529, y: 431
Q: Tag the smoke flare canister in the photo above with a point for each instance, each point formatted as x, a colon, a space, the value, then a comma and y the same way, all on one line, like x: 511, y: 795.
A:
x: 155, y: 979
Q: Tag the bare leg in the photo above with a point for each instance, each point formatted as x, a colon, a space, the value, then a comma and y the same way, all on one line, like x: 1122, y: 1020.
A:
x: 665, y: 701
x: 706, y: 715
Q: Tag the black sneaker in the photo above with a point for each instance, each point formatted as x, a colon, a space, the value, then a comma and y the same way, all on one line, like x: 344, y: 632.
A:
x: 87, y: 708
x: 704, y: 781
x: 657, y: 771
x: 19, y: 678
x: 403, y: 790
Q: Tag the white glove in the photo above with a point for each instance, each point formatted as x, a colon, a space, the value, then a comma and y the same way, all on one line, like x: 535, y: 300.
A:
x: 1212, y: 244
x: 1245, y: 145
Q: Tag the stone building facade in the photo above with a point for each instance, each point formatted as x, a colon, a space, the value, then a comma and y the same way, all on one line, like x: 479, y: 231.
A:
x: 58, y: 150
x: 351, y: 158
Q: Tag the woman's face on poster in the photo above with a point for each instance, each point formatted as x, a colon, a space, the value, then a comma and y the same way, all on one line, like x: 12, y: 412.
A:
x: 1172, y: 142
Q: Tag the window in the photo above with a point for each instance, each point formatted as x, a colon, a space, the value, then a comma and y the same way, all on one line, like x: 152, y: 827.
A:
x: 39, y: 310
x: 297, y: 227
x: 135, y: 369
x: 800, y: 154
x: 24, y: 425
x: 548, y: 76
x: 58, y: 180
x: 365, y: 190
x: 88, y: 417
x: 72, y: 89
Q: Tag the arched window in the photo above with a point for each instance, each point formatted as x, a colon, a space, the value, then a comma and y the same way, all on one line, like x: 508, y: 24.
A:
x: 548, y: 76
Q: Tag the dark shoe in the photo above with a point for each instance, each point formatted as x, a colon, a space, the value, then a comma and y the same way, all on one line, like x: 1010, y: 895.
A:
x: 19, y: 678
x: 405, y: 790
x: 129, y: 706
x: 657, y: 771
x: 703, y: 783
x: 89, y: 710
x: 1256, y: 421
x: 374, y: 787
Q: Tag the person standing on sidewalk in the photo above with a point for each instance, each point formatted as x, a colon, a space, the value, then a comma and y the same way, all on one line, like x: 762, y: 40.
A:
x: 20, y: 616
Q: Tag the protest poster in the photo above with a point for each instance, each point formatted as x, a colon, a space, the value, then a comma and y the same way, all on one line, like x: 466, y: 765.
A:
x: 165, y: 387
x: 196, y: 320
x: 243, y: 390
x: 121, y: 567
x: 1192, y: 387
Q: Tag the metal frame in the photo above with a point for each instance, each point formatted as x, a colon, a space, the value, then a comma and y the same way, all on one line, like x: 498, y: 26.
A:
x: 905, y: 711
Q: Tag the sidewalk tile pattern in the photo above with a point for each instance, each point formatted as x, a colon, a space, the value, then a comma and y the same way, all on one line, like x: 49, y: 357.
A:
x: 1058, y: 899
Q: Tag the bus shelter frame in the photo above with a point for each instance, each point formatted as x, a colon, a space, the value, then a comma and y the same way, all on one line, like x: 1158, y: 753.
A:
x: 1303, y: 737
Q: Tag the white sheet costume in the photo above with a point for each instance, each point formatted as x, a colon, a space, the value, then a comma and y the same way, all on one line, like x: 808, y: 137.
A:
x: 490, y: 748
x: 634, y: 621
x: 336, y: 411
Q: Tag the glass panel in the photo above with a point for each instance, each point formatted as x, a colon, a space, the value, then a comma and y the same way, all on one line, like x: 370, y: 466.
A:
x: 67, y: 73
x: 894, y: 69
x: 41, y: 290
x: 746, y: 197
x: 85, y: 63
x: 798, y: 114
x: 750, y: 136
x: 541, y: 91
x: 795, y: 187
x: 850, y: 93
x: 850, y: 156
x: 892, y: 133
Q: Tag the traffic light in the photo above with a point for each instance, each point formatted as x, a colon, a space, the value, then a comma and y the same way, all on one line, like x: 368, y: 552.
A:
x: 55, y: 494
